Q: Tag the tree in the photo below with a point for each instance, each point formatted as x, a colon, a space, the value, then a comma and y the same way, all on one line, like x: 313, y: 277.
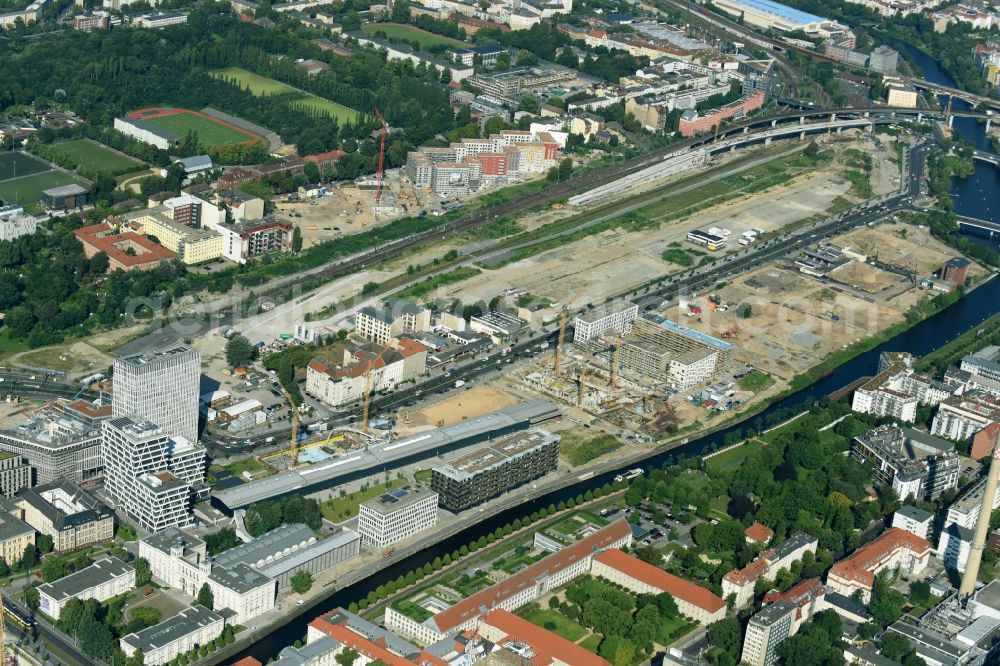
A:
x: 143, y: 572
x: 726, y: 635
x: 347, y: 657
x: 649, y: 554
x: 44, y: 544
x: 54, y: 568
x: 920, y: 592
x: 31, y: 598
x: 895, y: 646
x: 302, y: 581
x: 205, y: 597
x: 565, y: 168
x: 744, y: 311
x: 297, y: 239
x: 239, y: 351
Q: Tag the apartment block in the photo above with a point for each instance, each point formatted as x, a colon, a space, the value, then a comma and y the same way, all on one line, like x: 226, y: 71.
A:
x: 15, y: 473
x: 379, y: 325
x: 504, y: 464
x: 766, y: 631
x: 894, y: 550
x: 369, y: 367
x: 914, y: 520
x: 616, y: 316
x: 960, y: 417
x: 912, y: 463
x: 741, y: 582
x: 396, y: 515
x: 896, y: 390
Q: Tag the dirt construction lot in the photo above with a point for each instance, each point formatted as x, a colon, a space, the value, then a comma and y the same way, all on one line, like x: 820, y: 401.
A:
x: 461, y: 405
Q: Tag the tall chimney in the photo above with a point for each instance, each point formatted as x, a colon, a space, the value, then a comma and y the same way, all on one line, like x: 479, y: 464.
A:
x: 971, y: 574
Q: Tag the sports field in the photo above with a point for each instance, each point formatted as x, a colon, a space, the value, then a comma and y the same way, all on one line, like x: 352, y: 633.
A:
x: 210, y: 132
x: 261, y: 86
x: 15, y: 165
x: 97, y: 158
x: 27, y: 190
x: 397, y: 32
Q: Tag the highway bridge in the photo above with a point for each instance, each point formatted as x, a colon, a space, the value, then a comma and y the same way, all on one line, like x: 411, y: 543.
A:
x: 978, y: 227
x: 983, y: 156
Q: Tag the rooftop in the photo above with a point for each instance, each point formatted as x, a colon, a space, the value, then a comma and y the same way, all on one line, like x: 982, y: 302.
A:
x: 65, y: 191
x: 98, y: 573
x: 164, y: 353
x: 605, y: 310
x: 772, y: 613
x: 499, y: 452
x: 759, y: 533
x: 658, y: 578
x: 545, y: 644
x: 697, y: 336
x: 239, y: 578
x: 64, y: 504
x: 400, y: 498
x: 268, y: 546
x: 784, y: 11
x: 166, y: 632
x: 861, y: 566
x: 915, y: 513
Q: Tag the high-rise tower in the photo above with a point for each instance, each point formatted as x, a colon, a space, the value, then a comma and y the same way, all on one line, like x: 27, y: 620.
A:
x: 160, y: 386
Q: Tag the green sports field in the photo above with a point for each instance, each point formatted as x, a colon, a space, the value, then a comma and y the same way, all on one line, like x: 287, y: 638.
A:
x: 210, y: 133
x: 20, y: 164
x: 27, y: 191
x: 261, y: 86
x: 97, y: 158
x: 397, y: 32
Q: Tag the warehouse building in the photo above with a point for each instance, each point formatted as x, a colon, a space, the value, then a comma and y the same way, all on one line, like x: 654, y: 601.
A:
x: 107, y: 577
x: 616, y: 316
x: 161, y: 643
x: 768, y: 14
x: 493, y: 470
x: 71, y: 516
x: 387, y: 455
x: 397, y: 514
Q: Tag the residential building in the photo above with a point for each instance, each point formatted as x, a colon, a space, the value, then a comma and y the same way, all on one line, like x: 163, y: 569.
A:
x: 332, y: 633
x: 987, y: 56
x: 897, y: 390
x: 894, y: 550
x: 396, y: 515
x: 525, y: 586
x: 126, y: 250
x: 65, y: 197
x: 499, y: 326
x: 979, y: 16
x: 663, y: 349
x: 741, y: 582
x: 160, y: 386
x: 252, y: 238
x: 912, y: 463
x: 766, y: 631
x: 630, y: 572
x: 70, y: 515
x: 139, y: 472
x: 14, y: 223
x: 241, y: 206
x: 15, y: 473
x: 370, y: 367
x: 539, y: 646
x: 61, y: 441
x: 379, y: 325
x: 915, y: 521
x: 188, y: 630
x: 192, y: 245
x: 965, y: 509
x: 615, y: 316
x: 985, y: 363
x: 954, y: 546
x: 960, y: 417
x: 507, y: 462
x: 107, y: 577
x: 181, y: 561
x: 884, y: 59
x: 808, y: 597
x: 692, y: 123
x: 758, y: 533
x: 985, y: 441
x: 15, y: 534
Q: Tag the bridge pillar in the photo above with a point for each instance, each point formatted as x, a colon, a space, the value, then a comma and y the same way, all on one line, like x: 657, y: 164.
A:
x: 988, y: 121
x: 767, y: 141
x: 802, y: 120
x: 833, y: 117
x: 951, y: 121
x: 732, y: 148
x: 920, y: 117
x: 867, y: 114
x: 839, y: 130
x: 746, y: 129
x: 802, y: 136
x: 774, y: 123
x: 870, y: 129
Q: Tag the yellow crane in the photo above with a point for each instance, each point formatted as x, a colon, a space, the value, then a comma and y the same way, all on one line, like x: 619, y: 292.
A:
x: 614, y: 363
x: 368, y: 389
x: 563, y: 316
x: 293, y: 449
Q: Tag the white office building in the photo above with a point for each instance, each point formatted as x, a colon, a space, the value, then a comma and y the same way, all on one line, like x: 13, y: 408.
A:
x: 616, y: 316
x: 107, y: 577
x: 14, y: 223
x: 396, y: 515
x: 159, y: 644
x: 160, y: 386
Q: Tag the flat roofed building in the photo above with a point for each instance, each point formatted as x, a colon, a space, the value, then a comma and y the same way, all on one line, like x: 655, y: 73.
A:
x: 897, y: 390
x: 161, y: 643
x: 493, y: 470
x: 765, y: 632
x: 397, y: 514
x: 895, y: 549
x: 14, y: 223
x: 693, y: 601
x: 105, y: 578
x: 71, y: 516
x: 192, y: 245
x: 912, y: 463
x: 960, y: 417
x: 65, y: 197
x: 615, y: 316
x: 161, y: 500
x: 966, y: 507
x: 146, y: 132
x: 161, y: 386
x: 391, y: 320
x: 500, y: 326
x: 525, y: 586
x: 913, y: 520
x: 15, y: 473
x: 61, y: 441
x: 546, y: 648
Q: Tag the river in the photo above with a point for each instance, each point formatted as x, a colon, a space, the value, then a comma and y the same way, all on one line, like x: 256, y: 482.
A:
x: 920, y: 340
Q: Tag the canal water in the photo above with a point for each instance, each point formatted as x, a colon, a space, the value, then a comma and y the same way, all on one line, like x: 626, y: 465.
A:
x: 920, y: 340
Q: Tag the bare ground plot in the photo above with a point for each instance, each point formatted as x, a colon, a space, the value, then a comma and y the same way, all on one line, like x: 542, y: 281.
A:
x: 902, y: 244
x: 866, y: 277
x: 79, y: 360
x: 461, y: 405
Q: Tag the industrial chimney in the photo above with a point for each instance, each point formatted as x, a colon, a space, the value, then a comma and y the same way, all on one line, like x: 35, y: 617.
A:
x: 971, y: 574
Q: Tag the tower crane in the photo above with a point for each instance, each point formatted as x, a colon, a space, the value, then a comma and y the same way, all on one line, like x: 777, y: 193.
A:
x: 381, y: 156
x: 563, y: 317
x: 293, y: 448
x: 615, y: 358
x: 368, y: 389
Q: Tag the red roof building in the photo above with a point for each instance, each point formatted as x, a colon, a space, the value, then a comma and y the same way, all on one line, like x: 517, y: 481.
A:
x: 548, y: 649
x: 806, y: 596
x: 758, y: 533
x: 643, y: 578
x: 370, y: 641
x: 895, y: 549
x: 126, y: 251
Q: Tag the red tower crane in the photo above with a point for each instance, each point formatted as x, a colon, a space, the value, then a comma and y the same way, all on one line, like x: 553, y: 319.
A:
x: 381, y: 156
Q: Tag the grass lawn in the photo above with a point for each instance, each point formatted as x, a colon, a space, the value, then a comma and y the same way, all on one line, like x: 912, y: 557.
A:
x: 756, y: 381
x: 96, y: 157
x: 424, y: 287
x: 251, y: 465
x: 397, y: 32
x: 210, y: 133
x: 27, y: 191
x: 423, y: 476
x: 672, y: 629
x: 733, y: 458
x: 20, y: 164
x: 591, y: 643
x: 342, y: 508
x: 579, y: 446
x: 261, y: 86
x: 553, y: 621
